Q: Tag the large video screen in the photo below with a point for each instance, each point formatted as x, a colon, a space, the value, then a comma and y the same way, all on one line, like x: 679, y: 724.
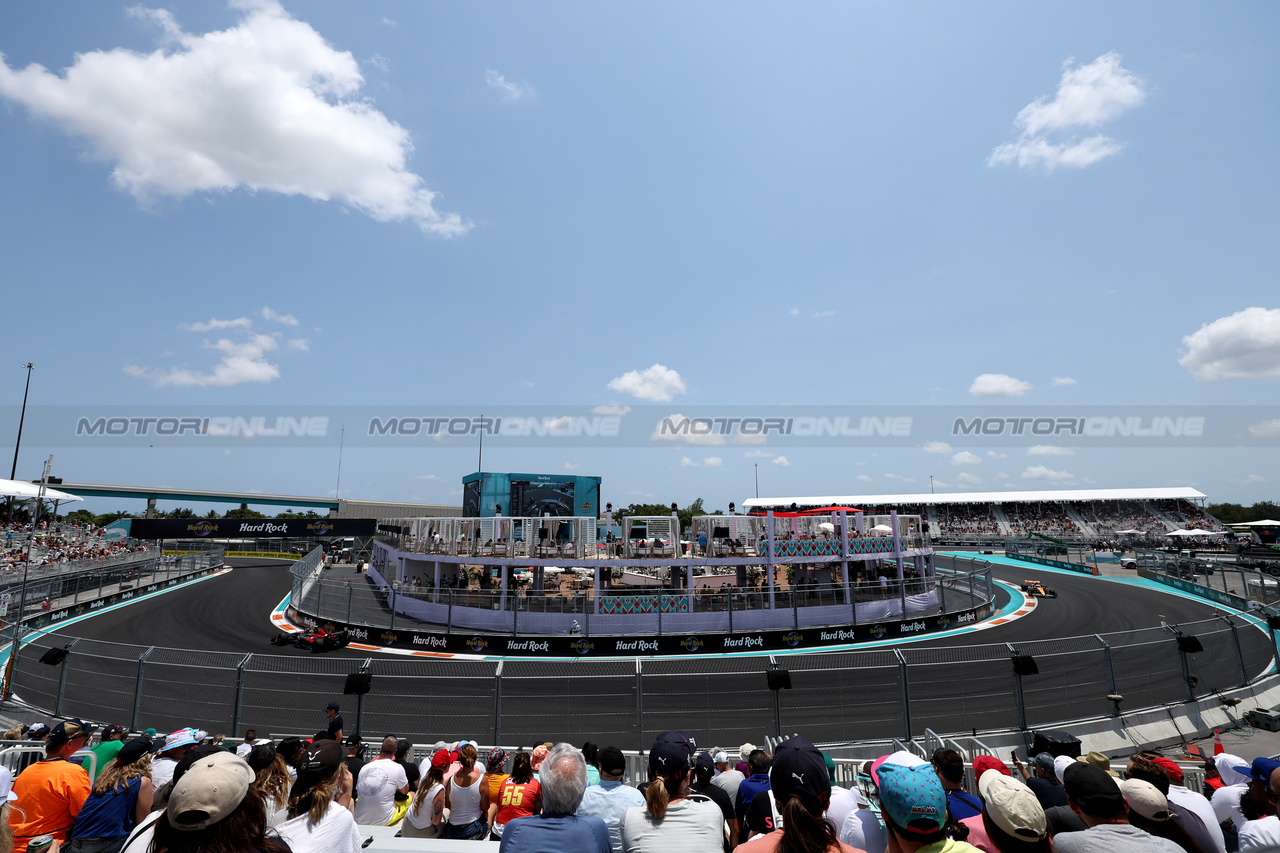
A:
x: 471, y: 499
x: 554, y: 498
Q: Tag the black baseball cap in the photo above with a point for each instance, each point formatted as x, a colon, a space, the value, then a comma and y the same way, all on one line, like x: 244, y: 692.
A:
x: 133, y: 750
x: 332, y: 706
x: 1093, y: 788
x: 69, y: 730
x: 703, y: 765
x: 672, y: 752
x: 799, y: 768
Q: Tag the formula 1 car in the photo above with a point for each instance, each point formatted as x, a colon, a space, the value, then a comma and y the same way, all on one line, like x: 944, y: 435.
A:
x: 316, y: 639
x: 1038, y: 589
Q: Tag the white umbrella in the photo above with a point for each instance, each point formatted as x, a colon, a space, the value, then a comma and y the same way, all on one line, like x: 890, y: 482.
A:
x: 1126, y: 532
x: 828, y: 526
x: 1202, y: 533
x: 23, y: 489
x: 1264, y: 523
x: 882, y: 528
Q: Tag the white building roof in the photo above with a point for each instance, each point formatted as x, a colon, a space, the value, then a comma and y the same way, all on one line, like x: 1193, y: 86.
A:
x: 1055, y: 496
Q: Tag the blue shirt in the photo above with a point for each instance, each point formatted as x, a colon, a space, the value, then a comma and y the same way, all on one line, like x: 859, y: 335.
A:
x: 542, y: 833
x: 750, y: 786
x: 609, y: 801
x: 109, y: 815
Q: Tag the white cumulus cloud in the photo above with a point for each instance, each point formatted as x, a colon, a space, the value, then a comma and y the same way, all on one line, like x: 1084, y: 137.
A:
x: 1265, y: 429
x: 967, y: 479
x: 1050, y: 450
x: 935, y: 447
x: 506, y: 90
x: 1040, y: 472
x: 657, y: 383
x: 863, y: 478
x: 964, y: 457
x: 1088, y: 97
x: 1058, y: 381
x: 1244, y: 345
x: 266, y: 106
x: 243, y: 355
x: 282, y: 319
x: 758, y: 454
x: 707, y: 462
x: 781, y: 462
x: 570, y: 466
x: 998, y: 385
x: 997, y: 455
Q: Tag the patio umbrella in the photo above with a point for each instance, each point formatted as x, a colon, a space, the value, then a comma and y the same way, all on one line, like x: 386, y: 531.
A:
x: 882, y: 528
x: 22, y: 490
x: 827, y: 526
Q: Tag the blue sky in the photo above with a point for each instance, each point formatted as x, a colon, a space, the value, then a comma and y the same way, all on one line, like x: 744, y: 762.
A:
x: 517, y: 204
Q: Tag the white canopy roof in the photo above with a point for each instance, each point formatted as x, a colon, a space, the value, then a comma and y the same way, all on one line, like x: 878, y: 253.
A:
x: 23, y: 489
x: 1054, y: 496
x: 1264, y: 523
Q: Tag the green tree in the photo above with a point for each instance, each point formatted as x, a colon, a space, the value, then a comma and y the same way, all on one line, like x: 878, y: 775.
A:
x: 243, y: 512
x: 685, y: 514
x: 1229, y: 513
x: 107, y: 518
x: 80, y: 516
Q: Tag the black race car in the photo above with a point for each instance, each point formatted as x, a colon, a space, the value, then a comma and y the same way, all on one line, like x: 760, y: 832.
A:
x: 317, y: 639
x: 1038, y: 589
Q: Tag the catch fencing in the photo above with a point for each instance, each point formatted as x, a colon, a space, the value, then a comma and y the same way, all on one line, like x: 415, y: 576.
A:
x: 836, y: 696
x: 372, y: 602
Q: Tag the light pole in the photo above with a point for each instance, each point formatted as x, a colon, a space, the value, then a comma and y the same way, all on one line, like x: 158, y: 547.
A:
x: 13, y: 471
x: 22, y: 598
x: 480, y: 460
x: 757, y: 479
x: 930, y: 484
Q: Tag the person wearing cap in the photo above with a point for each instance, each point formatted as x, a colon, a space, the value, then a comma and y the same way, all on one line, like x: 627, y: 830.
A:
x: 558, y: 829
x: 861, y: 830
x: 38, y: 731
x: 520, y: 796
x: 335, y: 721
x: 494, y: 775
x: 610, y: 799
x: 109, y: 744
x: 213, y: 806
x: 727, y: 778
x: 1263, y: 833
x: 1149, y: 811
x: 1042, y: 780
x: 379, y: 782
x: 914, y: 807
x: 319, y: 817
x: 1012, y: 819
x: 950, y: 768
x: 1254, y: 779
x: 1189, y: 808
x: 759, y: 762
x: 1097, y: 799
x: 52, y: 790
x: 411, y: 771
x: 673, y: 817
x: 426, y: 812
x: 176, y: 746
x: 701, y: 783
x: 355, y: 760
x: 120, y: 799
x: 801, y: 786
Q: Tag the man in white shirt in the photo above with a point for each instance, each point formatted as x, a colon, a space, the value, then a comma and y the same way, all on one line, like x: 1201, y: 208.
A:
x: 726, y: 778
x: 1205, y: 831
x: 377, y: 786
x: 1264, y: 833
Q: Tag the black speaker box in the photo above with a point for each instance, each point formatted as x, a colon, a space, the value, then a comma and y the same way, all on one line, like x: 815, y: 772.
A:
x: 357, y: 684
x: 779, y: 679
x: 1056, y: 743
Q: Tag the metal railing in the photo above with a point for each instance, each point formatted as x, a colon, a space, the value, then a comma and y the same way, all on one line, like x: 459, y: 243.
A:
x: 718, y: 605
x: 836, y: 697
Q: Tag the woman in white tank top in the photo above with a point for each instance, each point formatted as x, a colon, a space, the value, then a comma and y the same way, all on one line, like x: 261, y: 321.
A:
x: 467, y: 798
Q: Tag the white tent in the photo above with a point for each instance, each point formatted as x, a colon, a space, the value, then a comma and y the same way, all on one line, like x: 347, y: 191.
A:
x: 24, y: 490
x: 1128, y: 532
x: 1264, y: 523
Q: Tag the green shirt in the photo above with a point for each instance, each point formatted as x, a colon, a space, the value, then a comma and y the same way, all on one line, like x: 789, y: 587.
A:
x: 106, y: 753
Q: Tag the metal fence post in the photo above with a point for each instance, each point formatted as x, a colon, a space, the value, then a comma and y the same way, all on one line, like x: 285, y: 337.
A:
x: 364, y: 667
x: 1017, y: 689
x: 137, y: 688
x: 905, y: 684
x: 1235, y: 639
x: 1182, y: 656
x: 62, y: 678
x: 515, y: 616
x: 320, y: 599
x: 102, y: 577
x: 497, y: 703
x: 795, y: 609
x: 1111, y: 674
x: 729, y: 599
x: 640, y: 706
x: 659, y: 612
x: 942, y: 592
x: 449, y: 622
x: 350, y: 594
x: 239, y: 703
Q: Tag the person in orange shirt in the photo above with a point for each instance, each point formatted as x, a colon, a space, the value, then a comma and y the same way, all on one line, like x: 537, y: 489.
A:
x: 51, y: 790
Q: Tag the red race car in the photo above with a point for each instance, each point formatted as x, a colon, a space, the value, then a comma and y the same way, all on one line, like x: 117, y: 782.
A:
x: 317, y: 639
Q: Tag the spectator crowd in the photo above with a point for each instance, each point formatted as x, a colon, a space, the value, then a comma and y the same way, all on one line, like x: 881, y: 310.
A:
x: 188, y: 792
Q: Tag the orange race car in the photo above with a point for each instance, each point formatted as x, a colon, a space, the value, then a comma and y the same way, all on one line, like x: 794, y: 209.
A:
x: 1038, y: 589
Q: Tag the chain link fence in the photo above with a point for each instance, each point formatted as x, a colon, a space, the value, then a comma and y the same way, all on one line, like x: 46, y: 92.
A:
x: 835, y: 696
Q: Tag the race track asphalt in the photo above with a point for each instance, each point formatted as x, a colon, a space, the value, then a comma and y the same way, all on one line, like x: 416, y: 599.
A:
x: 230, y: 612
x: 836, y: 697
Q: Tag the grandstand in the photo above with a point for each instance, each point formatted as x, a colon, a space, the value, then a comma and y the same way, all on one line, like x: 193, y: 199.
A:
x: 1072, y: 515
